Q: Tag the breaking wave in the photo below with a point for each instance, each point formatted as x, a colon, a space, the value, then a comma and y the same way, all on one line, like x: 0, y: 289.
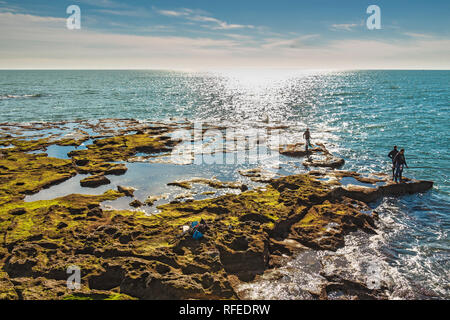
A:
x: 23, y: 96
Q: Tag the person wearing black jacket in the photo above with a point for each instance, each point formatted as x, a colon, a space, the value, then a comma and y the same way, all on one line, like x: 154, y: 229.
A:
x: 307, y: 136
x: 392, y: 155
x: 399, y: 161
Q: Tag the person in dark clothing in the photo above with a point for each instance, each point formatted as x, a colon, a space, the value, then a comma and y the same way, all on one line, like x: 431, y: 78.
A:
x: 197, y: 229
x: 392, y: 155
x: 399, y: 161
x: 203, y: 226
x: 307, y: 136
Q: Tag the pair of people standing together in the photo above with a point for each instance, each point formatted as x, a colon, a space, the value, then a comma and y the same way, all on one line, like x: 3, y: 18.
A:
x: 398, y: 162
x: 398, y: 158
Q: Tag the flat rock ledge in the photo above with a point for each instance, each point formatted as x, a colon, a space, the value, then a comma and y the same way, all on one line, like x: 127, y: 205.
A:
x: 129, y: 255
x: 318, y: 156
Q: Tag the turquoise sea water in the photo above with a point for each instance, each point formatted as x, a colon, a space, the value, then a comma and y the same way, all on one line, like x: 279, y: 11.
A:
x: 360, y: 115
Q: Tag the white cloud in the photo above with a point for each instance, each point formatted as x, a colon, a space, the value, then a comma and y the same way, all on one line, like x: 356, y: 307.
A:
x: 7, y: 7
x: 237, y: 36
x: 16, y: 19
x: 344, y: 26
x: 122, y: 12
x: 172, y: 13
x: 297, y: 42
x: 418, y: 35
x: 44, y: 42
x: 197, y: 16
x: 104, y: 3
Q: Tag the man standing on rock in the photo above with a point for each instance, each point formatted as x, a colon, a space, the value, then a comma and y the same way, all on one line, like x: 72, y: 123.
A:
x: 307, y: 136
x: 399, y: 162
x: 392, y: 155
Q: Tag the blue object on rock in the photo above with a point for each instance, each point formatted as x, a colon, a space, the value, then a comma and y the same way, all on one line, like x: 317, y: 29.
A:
x: 197, y: 235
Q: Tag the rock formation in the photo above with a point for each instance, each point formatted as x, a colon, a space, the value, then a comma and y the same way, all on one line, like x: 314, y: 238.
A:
x: 126, y: 254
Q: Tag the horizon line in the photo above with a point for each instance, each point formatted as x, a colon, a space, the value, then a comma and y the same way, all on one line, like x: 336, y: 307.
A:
x: 223, y: 68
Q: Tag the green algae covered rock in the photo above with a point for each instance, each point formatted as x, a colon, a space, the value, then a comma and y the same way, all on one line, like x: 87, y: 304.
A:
x: 98, y: 156
x: 22, y: 173
x: 126, y: 254
x: 94, y: 181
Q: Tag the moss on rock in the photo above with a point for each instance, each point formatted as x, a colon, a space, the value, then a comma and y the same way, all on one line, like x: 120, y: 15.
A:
x: 127, y: 254
x: 22, y: 173
x: 98, y: 156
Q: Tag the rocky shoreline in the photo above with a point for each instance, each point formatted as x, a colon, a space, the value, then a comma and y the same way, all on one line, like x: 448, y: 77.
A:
x: 126, y: 254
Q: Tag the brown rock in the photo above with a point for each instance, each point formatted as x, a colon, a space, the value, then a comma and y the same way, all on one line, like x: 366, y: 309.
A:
x: 94, y: 181
x: 124, y: 238
x: 327, y: 162
x: 61, y: 225
x: 245, y: 257
x: 95, y: 212
x: 117, y: 169
x: 136, y: 203
x: 293, y: 150
x: 108, y: 279
x: 150, y: 201
x: 17, y: 211
x: 324, y: 226
x: 128, y: 191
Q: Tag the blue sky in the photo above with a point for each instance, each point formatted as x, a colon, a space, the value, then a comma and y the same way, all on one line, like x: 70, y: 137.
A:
x: 207, y: 34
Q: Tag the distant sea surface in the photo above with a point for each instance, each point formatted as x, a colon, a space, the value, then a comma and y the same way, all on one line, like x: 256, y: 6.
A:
x: 360, y: 114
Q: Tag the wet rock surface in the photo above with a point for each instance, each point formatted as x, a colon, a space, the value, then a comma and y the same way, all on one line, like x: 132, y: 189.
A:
x: 97, y: 157
x: 127, y: 254
x: 128, y: 191
x: 94, y: 181
x: 213, y: 183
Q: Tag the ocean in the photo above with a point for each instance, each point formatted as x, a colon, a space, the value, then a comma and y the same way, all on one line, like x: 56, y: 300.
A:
x: 359, y: 115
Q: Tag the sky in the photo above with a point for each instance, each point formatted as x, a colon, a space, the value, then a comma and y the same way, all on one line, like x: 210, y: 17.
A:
x: 212, y: 34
